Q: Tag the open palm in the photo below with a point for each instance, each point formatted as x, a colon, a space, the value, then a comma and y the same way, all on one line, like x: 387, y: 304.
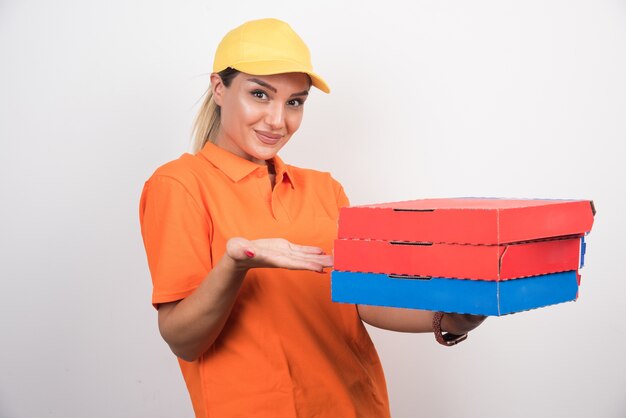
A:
x: 277, y: 252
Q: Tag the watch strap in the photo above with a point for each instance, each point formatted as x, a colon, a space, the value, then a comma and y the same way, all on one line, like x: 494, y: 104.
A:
x: 446, y: 339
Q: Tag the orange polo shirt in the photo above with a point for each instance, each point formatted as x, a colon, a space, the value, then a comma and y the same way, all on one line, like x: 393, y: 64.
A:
x: 286, y: 349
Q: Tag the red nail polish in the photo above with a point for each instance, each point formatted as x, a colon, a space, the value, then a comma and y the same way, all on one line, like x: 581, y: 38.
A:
x: 249, y: 253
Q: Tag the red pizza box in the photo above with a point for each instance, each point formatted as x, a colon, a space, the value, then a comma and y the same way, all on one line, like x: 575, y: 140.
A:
x: 479, y: 221
x: 476, y: 262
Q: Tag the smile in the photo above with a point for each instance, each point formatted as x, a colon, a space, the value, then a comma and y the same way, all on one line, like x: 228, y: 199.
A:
x: 268, y: 138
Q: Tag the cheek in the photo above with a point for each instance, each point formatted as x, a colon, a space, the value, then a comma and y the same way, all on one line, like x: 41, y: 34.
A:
x: 248, y: 111
x: 293, y: 121
x: 238, y: 112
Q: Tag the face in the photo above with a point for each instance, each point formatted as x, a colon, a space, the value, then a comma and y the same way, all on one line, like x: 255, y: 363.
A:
x: 259, y: 114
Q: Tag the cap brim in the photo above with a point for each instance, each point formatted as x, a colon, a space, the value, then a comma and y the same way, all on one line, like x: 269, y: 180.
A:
x: 280, y: 67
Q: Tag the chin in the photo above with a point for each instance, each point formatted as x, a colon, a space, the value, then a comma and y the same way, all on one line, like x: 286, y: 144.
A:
x: 265, y: 152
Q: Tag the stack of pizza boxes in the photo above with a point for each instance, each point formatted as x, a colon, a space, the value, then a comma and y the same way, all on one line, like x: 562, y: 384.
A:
x: 478, y: 256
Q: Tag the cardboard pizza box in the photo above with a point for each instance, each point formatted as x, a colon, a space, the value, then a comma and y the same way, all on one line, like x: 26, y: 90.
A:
x: 476, y: 262
x: 479, y: 221
x: 478, y: 297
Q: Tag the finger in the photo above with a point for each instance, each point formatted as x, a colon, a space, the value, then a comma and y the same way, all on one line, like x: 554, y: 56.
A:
x: 301, y: 263
x: 308, y: 256
x: 293, y: 264
x: 324, y: 260
x: 295, y: 251
x: 318, y: 265
x: 307, y: 249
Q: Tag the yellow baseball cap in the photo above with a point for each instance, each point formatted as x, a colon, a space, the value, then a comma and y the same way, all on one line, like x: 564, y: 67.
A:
x: 265, y: 47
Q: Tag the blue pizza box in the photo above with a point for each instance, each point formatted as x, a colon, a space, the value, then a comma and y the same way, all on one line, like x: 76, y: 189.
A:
x: 478, y: 297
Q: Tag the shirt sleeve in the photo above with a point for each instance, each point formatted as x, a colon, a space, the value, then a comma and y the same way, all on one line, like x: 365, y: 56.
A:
x: 177, y: 238
x: 342, y: 198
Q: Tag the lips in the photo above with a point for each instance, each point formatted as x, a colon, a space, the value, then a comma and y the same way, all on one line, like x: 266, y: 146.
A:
x: 268, y: 137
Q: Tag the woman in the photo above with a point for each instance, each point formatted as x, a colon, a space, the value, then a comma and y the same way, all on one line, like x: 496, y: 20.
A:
x: 238, y: 243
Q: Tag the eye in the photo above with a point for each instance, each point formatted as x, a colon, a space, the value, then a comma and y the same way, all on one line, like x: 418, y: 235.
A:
x: 259, y: 94
x: 295, y: 102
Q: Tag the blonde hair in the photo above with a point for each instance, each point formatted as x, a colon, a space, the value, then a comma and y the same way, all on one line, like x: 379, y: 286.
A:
x: 207, y: 123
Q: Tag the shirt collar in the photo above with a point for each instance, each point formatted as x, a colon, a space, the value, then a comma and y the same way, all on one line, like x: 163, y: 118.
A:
x: 236, y: 168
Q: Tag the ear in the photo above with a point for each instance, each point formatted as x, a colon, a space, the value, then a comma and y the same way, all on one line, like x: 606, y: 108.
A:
x: 217, y: 87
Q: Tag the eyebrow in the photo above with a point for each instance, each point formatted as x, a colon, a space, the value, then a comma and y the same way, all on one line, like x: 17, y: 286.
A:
x: 272, y: 88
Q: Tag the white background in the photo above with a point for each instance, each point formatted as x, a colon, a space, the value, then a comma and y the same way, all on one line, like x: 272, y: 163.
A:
x: 430, y: 99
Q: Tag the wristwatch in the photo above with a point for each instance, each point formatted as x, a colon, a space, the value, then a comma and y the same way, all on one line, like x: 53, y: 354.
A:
x: 446, y: 339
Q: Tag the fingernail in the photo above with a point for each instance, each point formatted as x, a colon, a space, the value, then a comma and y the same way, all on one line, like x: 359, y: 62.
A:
x: 249, y: 253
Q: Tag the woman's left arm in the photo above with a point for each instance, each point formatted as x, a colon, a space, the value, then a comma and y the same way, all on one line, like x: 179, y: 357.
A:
x: 413, y: 320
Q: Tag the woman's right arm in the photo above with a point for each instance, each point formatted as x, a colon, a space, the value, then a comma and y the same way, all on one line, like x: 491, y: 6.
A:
x: 191, y: 325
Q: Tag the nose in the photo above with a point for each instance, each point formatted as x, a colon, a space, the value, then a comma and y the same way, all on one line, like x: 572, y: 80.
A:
x: 275, y: 116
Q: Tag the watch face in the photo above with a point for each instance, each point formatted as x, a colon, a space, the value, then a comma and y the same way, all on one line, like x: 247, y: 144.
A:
x: 452, y: 339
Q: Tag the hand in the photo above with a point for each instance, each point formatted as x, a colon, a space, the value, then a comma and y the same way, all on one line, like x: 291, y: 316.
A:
x: 459, y: 324
x: 276, y: 252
